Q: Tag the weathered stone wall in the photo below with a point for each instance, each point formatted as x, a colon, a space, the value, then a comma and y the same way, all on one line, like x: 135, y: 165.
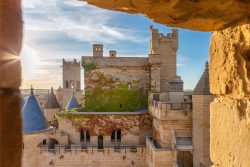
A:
x: 116, y: 70
x: 134, y: 128
x: 162, y: 130
x: 116, y: 83
x: 230, y: 81
x: 91, y: 158
x: 201, y: 129
x: 158, y: 157
x: 31, y: 151
x: 206, y: 15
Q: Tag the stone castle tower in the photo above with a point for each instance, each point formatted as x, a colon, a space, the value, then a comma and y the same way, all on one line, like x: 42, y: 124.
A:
x: 71, y: 82
x: 201, y: 100
x: 162, y: 58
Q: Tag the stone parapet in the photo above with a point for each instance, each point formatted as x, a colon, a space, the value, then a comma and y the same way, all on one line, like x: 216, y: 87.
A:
x: 158, y: 157
x: 91, y: 148
x: 166, y: 110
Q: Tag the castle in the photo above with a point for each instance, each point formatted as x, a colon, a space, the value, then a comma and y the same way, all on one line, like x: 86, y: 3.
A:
x: 134, y: 113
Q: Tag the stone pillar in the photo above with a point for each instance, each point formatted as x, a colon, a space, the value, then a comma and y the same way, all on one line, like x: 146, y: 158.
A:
x: 230, y: 111
x: 10, y: 80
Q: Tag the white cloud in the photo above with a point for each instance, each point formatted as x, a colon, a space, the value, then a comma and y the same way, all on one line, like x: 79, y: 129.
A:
x: 75, y: 19
x: 181, y: 60
x: 52, y: 28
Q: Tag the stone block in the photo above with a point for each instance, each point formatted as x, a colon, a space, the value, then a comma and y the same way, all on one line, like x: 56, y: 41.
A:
x: 230, y: 132
x: 230, y: 62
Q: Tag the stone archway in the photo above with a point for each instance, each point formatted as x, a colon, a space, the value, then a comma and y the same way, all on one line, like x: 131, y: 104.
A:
x: 229, y: 69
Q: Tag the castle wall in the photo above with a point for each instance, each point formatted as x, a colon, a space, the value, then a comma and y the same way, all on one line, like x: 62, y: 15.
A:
x: 31, y: 152
x: 33, y: 156
x: 158, y: 157
x: 165, y: 48
x: 134, y: 70
x: 133, y: 128
x: 116, y: 83
x: 201, y: 129
x: 162, y: 130
x: 108, y: 157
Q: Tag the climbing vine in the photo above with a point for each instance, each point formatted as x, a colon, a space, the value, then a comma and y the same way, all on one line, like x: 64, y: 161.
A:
x: 89, y: 66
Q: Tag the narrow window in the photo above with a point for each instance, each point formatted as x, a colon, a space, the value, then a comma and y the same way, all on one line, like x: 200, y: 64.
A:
x: 119, y: 135
x: 113, y: 136
x: 44, y: 141
x: 67, y: 84
x: 81, y: 135
x: 87, y: 136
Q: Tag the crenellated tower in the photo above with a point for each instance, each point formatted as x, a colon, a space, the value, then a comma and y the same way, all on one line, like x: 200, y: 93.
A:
x: 71, y: 82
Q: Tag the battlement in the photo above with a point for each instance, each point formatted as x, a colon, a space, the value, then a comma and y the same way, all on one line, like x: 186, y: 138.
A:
x: 161, y: 36
x: 170, y: 111
x: 61, y: 148
x: 71, y: 63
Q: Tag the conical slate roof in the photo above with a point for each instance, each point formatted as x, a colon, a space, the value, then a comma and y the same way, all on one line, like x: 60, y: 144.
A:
x: 52, y: 102
x: 203, y: 86
x: 72, y: 103
x: 33, y: 118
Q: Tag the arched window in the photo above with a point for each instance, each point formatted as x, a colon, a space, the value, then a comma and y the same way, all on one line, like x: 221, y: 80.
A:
x: 113, y: 136
x: 119, y: 135
x: 87, y: 136
x: 82, y: 135
x: 72, y: 84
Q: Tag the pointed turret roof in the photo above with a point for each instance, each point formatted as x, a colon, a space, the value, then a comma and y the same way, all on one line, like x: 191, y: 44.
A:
x: 72, y: 103
x: 33, y: 118
x: 203, y: 86
x: 52, y: 102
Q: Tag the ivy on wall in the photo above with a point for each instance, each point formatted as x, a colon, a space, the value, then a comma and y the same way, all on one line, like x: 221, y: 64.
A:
x: 89, y: 66
x: 116, y: 99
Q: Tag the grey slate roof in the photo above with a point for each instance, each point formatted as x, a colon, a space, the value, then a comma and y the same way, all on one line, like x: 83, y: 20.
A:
x: 33, y: 118
x: 203, y: 86
x: 72, y: 103
x: 52, y: 102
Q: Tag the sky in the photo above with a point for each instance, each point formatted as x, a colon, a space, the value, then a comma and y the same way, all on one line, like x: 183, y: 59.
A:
x: 56, y: 29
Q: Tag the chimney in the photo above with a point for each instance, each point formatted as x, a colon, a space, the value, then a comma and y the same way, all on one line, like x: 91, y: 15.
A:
x: 112, y: 53
x: 97, y: 50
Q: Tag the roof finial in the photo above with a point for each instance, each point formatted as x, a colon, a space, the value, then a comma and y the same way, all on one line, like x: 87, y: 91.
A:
x: 51, y: 89
x: 207, y: 65
x: 73, y: 93
x: 31, y: 89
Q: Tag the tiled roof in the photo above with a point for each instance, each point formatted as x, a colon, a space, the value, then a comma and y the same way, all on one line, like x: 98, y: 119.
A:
x: 72, y: 103
x: 203, y: 86
x: 52, y: 102
x: 33, y: 118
